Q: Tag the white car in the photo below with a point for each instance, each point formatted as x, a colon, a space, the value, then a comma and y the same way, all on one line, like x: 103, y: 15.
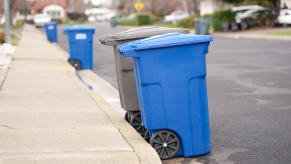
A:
x: 285, y: 17
x: 41, y: 19
x: 241, y: 9
x: 249, y: 13
x: 176, y: 16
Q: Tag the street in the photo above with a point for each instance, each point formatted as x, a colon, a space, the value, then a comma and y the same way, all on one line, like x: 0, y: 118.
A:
x: 249, y: 89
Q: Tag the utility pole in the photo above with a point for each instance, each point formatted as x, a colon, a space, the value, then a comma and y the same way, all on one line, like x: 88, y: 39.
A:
x: 7, y: 21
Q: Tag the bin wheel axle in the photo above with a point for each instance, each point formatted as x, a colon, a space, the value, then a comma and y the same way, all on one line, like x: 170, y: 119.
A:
x: 76, y: 63
x: 166, y: 143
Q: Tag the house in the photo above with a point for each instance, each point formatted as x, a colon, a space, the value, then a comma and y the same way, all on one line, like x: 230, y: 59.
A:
x: 102, y: 3
x: 26, y: 9
x: 210, y: 6
x: 286, y: 4
x: 55, y: 8
x: 76, y: 8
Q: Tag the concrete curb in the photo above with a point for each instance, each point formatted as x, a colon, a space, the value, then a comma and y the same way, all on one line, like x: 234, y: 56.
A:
x: 109, y: 103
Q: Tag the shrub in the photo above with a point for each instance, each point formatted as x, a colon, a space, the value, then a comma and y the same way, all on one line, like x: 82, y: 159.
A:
x: 139, y: 20
x: 2, y: 37
x: 222, y: 17
x: 29, y: 21
x: 156, y: 19
x: 57, y: 20
x: 78, y: 21
x: 126, y: 22
x: 142, y: 19
x: 187, y: 22
x: 19, y: 23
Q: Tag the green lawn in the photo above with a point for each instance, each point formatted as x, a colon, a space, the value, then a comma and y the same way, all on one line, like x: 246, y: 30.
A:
x: 15, y: 32
x: 16, y: 35
x: 281, y: 33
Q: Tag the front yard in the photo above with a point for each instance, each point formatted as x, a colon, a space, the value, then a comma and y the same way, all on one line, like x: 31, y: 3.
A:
x: 15, y: 34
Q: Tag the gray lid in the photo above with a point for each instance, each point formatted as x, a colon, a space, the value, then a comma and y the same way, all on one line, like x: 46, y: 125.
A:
x: 138, y: 33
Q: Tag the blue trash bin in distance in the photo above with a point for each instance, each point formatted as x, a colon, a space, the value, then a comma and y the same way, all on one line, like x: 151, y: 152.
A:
x: 171, y: 80
x: 51, y: 30
x: 80, y: 40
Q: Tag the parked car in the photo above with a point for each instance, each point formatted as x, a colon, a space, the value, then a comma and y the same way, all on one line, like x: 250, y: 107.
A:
x: 176, y: 16
x: 99, y: 14
x: 40, y: 19
x: 255, y: 18
x: 284, y: 17
x: 241, y: 9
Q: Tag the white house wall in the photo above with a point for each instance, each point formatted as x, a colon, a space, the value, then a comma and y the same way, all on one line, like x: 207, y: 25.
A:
x: 55, y: 8
x: 210, y: 6
x: 207, y: 7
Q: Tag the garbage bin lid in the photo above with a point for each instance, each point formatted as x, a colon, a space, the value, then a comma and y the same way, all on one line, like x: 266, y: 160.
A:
x: 161, y: 41
x: 79, y: 28
x: 138, y: 33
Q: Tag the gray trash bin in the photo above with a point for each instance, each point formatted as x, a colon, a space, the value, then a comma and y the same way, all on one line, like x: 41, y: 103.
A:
x: 124, y: 68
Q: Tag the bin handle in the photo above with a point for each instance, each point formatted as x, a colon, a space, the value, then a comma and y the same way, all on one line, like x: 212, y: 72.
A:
x: 126, y: 51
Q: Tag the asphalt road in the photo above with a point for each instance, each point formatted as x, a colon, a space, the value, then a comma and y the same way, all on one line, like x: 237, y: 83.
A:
x: 249, y: 85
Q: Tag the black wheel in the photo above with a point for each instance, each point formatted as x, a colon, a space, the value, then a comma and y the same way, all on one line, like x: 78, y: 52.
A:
x: 166, y: 143
x: 136, y: 123
x: 127, y: 117
x: 76, y: 64
x: 243, y: 26
x: 146, y: 136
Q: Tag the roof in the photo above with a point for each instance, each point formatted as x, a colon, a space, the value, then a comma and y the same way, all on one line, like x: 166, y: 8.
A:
x: 34, y: 4
x: 40, y: 4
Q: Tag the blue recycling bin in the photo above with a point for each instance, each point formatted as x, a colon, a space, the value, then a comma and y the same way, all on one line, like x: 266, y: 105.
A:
x: 51, y: 30
x: 170, y: 72
x: 80, y: 40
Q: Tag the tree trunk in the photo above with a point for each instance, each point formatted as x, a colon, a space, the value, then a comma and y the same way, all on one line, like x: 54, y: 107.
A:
x: 278, y: 6
x: 12, y: 11
x: 152, y: 7
x: 196, y: 4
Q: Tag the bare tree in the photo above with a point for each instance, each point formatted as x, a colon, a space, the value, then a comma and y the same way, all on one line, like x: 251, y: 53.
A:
x: 12, y: 7
x: 196, y: 8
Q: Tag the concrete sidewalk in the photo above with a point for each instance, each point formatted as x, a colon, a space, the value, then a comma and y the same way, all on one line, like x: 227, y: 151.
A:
x: 47, y: 115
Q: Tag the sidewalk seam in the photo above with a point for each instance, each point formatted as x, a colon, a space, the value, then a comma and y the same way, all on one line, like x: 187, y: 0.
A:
x: 4, y: 77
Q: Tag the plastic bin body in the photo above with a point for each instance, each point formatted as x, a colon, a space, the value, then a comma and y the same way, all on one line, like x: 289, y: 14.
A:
x: 202, y: 26
x: 51, y: 30
x: 171, y: 81
x: 80, y: 40
x: 126, y: 82
x: 124, y: 66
